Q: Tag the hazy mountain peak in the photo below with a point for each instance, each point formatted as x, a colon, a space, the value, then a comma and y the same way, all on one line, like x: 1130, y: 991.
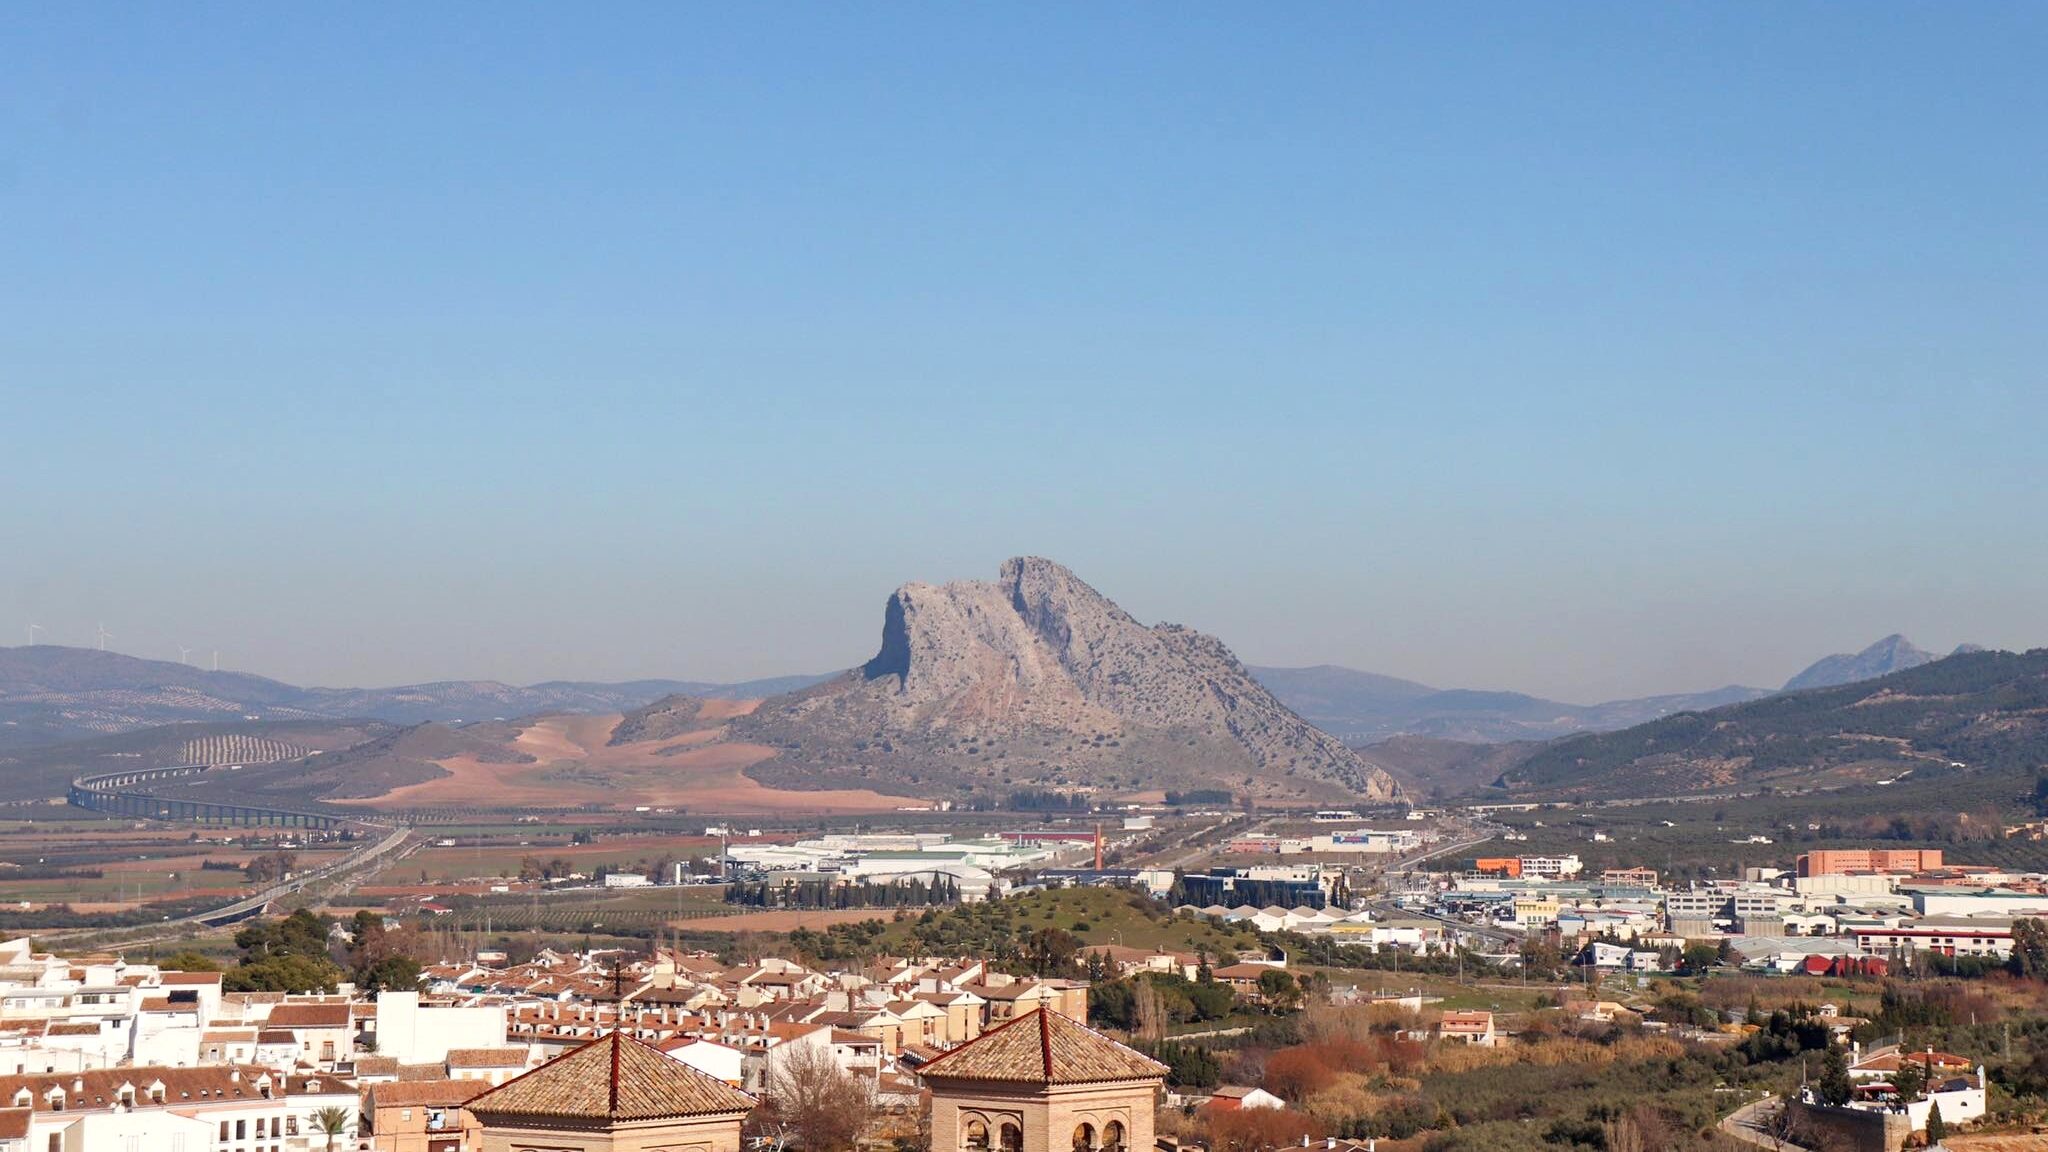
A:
x: 1892, y: 654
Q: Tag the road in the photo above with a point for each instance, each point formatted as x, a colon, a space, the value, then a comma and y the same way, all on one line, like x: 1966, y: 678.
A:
x: 1201, y: 842
x: 1459, y: 845
x: 1751, y: 1123
x: 341, y: 870
x: 348, y: 866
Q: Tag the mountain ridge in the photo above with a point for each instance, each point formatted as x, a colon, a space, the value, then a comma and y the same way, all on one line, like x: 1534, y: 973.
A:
x: 1366, y: 707
x: 1036, y: 677
x: 1967, y: 713
x: 52, y: 693
x: 1893, y: 653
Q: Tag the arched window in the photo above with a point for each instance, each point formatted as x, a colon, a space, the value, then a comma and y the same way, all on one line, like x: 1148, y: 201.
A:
x: 1113, y: 1136
x: 977, y: 1136
x: 1013, y: 1137
x: 1084, y: 1138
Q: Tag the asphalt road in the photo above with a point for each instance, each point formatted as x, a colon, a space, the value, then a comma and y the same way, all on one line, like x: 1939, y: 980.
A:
x: 1750, y: 1124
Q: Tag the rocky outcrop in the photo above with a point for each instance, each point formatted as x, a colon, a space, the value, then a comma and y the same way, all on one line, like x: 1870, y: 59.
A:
x: 1035, y: 677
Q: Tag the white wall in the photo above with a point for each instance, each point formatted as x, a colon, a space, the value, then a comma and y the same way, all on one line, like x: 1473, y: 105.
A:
x: 417, y: 1035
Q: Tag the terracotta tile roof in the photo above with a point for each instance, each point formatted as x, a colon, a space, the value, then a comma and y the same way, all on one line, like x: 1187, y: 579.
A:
x: 428, y: 1093
x: 614, y: 1077
x: 1043, y: 1047
x: 14, y: 1123
x: 100, y: 1088
x: 487, y: 1057
x: 309, y: 1016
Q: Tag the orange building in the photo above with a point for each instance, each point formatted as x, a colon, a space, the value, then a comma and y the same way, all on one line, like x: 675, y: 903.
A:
x: 1843, y: 861
x: 1508, y: 866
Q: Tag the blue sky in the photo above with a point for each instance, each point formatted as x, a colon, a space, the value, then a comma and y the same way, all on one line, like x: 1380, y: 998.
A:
x: 1589, y: 350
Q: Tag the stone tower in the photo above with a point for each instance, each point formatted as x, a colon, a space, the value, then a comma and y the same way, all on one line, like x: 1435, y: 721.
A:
x: 1043, y: 1083
x: 614, y: 1094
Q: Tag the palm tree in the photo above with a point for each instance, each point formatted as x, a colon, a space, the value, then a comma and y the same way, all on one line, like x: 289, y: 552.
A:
x: 332, y: 1122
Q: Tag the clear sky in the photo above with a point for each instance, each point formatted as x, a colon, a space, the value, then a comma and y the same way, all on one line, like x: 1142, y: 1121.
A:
x: 1589, y: 350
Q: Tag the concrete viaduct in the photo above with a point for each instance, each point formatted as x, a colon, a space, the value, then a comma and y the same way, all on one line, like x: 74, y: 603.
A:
x: 133, y: 793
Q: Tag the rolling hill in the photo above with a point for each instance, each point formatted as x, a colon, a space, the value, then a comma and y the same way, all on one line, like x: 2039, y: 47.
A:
x: 1974, y: 712
x: 50, y: 693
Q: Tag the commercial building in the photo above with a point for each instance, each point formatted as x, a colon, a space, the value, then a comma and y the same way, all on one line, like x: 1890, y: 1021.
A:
x: 1846, y: 861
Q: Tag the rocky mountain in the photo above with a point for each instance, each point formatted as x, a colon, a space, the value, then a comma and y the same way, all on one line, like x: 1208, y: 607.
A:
x: 1364, y: 708
x: 50, y: 693
x: 1892, y: 654
x: 1971, y: 713
x: 1037, y: 678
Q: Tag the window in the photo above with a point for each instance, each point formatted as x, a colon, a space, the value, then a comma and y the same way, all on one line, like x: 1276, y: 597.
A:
x: 241, y: 1129
x: 1084, y: 1137
x: 1113, y: 1136
x: 1012, y: 1137
x: 977, y: 1135
x: 223, y: 1132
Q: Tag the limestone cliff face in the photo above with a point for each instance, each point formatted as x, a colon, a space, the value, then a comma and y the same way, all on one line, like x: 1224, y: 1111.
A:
x: 1035, y: 677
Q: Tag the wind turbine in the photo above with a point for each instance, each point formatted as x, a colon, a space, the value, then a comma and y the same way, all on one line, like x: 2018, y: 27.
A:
x: 32, y: 630
x: 216, y: 659
x: 104, y: 637
x: 183, y: 652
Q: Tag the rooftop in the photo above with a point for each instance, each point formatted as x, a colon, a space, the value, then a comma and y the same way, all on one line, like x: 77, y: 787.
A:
x: 1043, y: 1047
x: 614, y: 1077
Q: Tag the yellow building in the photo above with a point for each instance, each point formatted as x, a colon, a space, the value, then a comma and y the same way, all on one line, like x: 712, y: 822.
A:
x: 614, y: 1094
x: 1043, y: 1083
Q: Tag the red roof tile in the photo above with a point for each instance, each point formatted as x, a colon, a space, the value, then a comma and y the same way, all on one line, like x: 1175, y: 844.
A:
x: 1043, y: 1047
x: 614, y: 1077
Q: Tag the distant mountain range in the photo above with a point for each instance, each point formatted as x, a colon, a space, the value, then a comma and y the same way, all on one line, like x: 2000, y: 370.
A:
x: 979, y: 688
x: 50, y: 693
x: 1972, y: 713
x: 1366, y: 708
x: 1892, y: 654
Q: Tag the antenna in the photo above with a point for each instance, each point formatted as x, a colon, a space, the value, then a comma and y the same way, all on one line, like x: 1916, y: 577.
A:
x: 32, y: 630
x: 104, y: 637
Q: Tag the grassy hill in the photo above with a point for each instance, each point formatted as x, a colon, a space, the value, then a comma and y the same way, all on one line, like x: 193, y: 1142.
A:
x: 1977, y: 712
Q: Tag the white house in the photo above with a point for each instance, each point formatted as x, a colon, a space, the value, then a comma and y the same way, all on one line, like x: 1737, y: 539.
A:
x: 718, y: 1061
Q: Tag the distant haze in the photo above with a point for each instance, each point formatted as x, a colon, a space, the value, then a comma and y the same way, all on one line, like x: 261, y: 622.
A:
x: 1587, y: 354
